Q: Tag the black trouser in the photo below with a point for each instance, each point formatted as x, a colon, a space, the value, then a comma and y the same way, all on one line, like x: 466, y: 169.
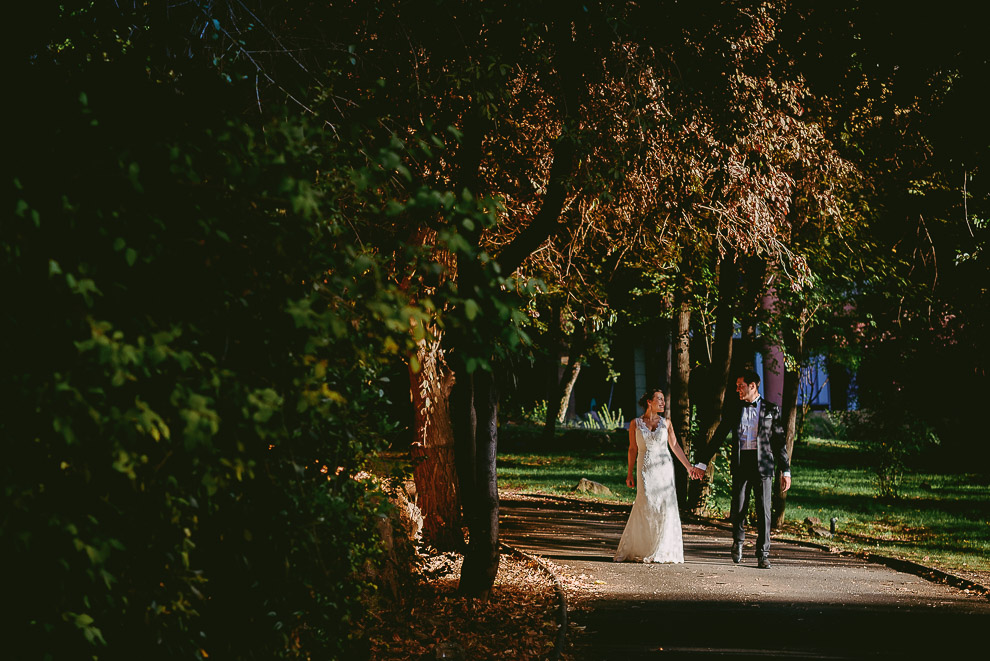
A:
x: 745, y: 477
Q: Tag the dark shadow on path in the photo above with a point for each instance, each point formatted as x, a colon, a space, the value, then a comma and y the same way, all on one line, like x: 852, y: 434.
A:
x: 637, y: 629
x: 812, y: 605
x: 568, y: 531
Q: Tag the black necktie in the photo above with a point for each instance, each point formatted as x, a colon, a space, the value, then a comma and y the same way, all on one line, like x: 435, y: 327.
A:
x: 749, y: 404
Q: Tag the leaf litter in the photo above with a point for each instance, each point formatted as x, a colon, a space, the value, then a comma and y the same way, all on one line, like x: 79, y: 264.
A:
x: 432, y: 620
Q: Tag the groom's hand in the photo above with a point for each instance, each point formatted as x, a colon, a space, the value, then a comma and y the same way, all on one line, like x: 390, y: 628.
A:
x: 785, y: 482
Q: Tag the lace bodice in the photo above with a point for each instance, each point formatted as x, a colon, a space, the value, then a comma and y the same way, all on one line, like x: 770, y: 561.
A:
x: 646, y: 430
x: 652, y: 444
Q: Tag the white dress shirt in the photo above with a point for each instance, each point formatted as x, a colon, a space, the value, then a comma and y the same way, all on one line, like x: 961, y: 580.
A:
x: 749, y: 426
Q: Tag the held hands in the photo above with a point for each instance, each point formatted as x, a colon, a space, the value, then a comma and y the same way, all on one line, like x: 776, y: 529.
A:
x: 695, y: 473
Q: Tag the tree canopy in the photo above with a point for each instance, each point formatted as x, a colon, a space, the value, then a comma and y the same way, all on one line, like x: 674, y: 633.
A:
x: 233, y: 220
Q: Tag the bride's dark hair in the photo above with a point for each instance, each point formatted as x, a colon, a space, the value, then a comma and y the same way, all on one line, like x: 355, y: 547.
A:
x: 648, y: 396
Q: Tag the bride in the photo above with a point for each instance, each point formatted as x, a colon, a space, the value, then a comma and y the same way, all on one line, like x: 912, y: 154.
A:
x: 653, y: 531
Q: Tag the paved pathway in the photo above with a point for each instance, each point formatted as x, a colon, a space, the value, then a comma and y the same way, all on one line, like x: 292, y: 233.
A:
x: 811, y: 605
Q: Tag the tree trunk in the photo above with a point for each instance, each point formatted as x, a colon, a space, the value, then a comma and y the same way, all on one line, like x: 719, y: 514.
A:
x: 474, y: 413
x: 838, y: 377
x: 792, y: 382
x: 744, y: 354
x: 435, y: 471
x: 481, y: 558
x: 699, y: 491
x: 750, y: 305
x: 794, y: 339
x: 680, y: 416
x: 463, y: 423
x: 474, y: 399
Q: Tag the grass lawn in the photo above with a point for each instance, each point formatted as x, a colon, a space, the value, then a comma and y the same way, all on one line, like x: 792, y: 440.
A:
x: 557, y: 471
x: 940, y: 519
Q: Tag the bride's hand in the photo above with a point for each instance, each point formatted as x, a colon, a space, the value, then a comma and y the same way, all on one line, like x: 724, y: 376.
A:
x: 631, y: 482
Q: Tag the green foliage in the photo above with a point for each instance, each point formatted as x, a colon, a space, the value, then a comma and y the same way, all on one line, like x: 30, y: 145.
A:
x: 603, y: 419
x: 536, y: 415
x: 193, y: 381
x: 694, y: 430
x: 484, y: 310
x: 720, y: 492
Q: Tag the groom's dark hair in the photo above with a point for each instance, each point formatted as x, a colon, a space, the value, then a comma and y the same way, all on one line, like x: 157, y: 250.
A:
x: 749, y: 376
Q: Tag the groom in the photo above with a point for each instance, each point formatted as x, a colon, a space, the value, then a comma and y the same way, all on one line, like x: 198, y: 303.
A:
x: 758, y: 443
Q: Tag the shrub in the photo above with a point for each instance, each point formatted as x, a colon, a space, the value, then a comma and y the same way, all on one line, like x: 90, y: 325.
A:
x: 824, y: 424
x: 891, y: 436
x: 191, y: 383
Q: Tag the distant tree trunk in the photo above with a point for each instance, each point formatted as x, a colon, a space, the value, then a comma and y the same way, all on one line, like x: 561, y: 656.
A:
x: 680, y: 416
x: 435, y: 471
x: 700, y: 490
x: 567, y: 386
x: 553, y: 371
x: 557, y: 406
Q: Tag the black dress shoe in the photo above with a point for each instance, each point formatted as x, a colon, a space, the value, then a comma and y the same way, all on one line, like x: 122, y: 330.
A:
x: 764, y: 562
x: 737, y: 552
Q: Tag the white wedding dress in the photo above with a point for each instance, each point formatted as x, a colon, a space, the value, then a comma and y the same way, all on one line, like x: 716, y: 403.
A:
x: 653, y: 531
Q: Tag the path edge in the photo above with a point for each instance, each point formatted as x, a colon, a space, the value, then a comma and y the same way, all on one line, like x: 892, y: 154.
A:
x: 899, y: 564
x: 561, y: 639
x: 907, y: 566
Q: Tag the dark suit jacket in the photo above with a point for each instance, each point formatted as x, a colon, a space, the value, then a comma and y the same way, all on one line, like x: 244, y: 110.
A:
x: 770, y: 439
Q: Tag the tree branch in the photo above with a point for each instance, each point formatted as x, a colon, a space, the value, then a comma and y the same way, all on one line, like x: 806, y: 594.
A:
x: 546, y: 221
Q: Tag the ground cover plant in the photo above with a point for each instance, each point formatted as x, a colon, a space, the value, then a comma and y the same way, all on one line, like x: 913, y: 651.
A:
x: 940, y: 519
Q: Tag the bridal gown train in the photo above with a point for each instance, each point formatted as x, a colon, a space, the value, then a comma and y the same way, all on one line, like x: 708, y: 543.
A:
x: 653, y: 531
